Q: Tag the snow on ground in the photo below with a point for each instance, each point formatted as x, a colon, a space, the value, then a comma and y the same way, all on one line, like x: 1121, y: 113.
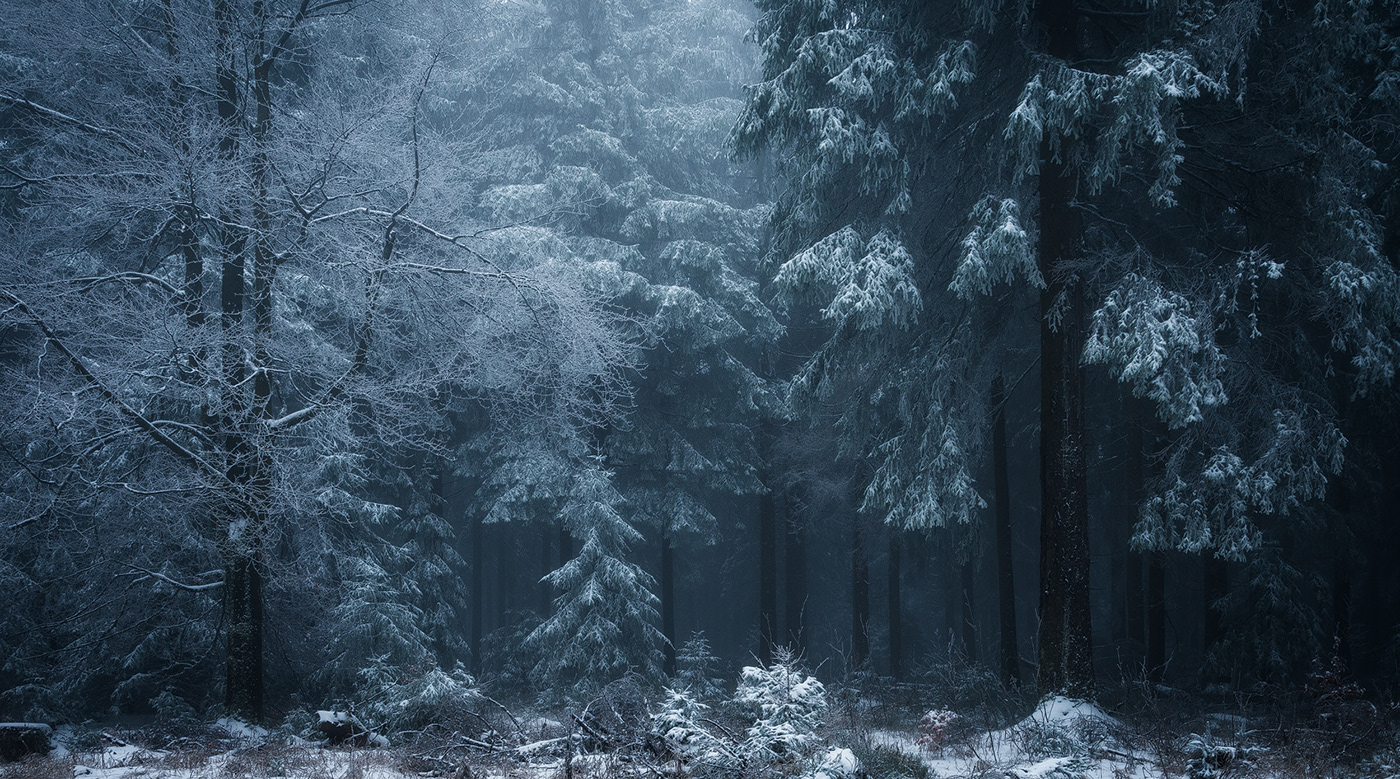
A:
x: 255, y: 752
x: 1080, y: 732
x: 1061, y: 739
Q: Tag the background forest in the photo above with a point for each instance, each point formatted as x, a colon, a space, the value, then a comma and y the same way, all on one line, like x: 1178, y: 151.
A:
x: 380, y: 356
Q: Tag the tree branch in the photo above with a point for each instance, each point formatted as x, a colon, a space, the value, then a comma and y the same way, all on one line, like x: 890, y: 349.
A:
x: 62, y: 118
x: 135, y: 416
x: 173, y: 583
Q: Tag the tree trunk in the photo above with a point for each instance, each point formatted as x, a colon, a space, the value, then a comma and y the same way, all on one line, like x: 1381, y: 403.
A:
x: 951, y: 580
x: 1215, y: 585
x: 1135, y: 481
x: 1156, y: 616
x: 188, y: 214
x: 1135, y: 603
x: 860, y: 583
x: 546, y: 566
x: 1006, y: 578
x: 478, y: 583
x: 243, y: 607
x: 504, y: 565
x: 566, y: 545
x: 243, y: 691
x: 896, y: 622
x: 1341, y: 601
x: 668, y: 602
x: 1134, y: 600
x: 795, y: 570
x: 967, y: 577
x: 1066, y: 651
x: 767, y: 575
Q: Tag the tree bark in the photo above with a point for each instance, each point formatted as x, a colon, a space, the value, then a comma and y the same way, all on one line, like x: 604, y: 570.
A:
x: 968, y: 579
x: 243, y: 607
x: 767, y: 575
x: 243, y: 689
x: 503, y: 568
x: 566, y: 545
x: 1156, y: 616
x: 795, y: 573
x: 860, y: 583
x: 478, y: 584
x: 1135, y: 477
x: 1006, y: 577
x: 546, y: 566
x: 896, y: 621
x: 1341, y: 589
x: 668, y: 602
x: 1066, y: 652
x: 1215, y: 584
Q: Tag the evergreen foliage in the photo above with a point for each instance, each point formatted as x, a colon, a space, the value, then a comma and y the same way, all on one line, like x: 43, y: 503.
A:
x: 696, y: 669
x: 603, y: 625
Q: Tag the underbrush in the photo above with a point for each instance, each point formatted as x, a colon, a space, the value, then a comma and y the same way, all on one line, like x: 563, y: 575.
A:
x: 951, y: 720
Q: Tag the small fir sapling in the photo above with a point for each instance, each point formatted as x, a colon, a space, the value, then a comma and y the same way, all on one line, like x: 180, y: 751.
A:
x: 677, y: 724
x: 395, y: 699
x: 696, y: 672
x: 787, y: 707
x: 604, y: 620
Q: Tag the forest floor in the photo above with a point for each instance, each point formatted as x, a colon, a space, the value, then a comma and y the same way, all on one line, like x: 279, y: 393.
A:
x: 1060, y: 739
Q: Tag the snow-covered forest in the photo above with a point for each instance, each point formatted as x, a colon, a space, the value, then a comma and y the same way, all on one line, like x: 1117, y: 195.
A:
x: 729, y: 389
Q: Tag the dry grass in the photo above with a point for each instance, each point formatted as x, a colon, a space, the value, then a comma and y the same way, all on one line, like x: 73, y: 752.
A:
x: 35, y: 767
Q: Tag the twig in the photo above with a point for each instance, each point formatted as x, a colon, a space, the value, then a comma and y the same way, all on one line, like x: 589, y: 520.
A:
x: 595, y: 734
x: 722, y: 728
x: 513, y: 720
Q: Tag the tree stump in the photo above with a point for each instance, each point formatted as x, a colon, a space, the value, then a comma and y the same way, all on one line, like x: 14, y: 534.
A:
x: 18, y: 739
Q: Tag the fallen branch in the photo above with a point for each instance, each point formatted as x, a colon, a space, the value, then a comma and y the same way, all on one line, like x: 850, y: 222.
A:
x: 536, y: 746
x: 595, y: 734
x: 513, y: 720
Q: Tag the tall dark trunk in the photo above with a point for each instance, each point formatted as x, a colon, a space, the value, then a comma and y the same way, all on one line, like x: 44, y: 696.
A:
x: 860, y: 583
x: 504, y: 565
x: 668, y: 602
x: 546, y: 567
x: 1215, y: 584
x: 951, y: 580
x: 896, y: 622
x: 1135, y: 603
x: 1001, y: 498
x: 243, y: 608
x: 1135, y: 477
x: 767, y: 575
x: 243, y: 690
x: 795, y: 573
x: 1156, y: 616
x: 1340, y: 498
x: 1066, y: 651
x: 967, y: 577
x: 187, y: 213
x: 1135, y: 484
x: 566, y: 545
x: 478, y: 584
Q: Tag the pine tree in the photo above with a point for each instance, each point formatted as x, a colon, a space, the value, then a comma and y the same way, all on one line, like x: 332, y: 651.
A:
x: 604, y: 620
x: 1101, y: 191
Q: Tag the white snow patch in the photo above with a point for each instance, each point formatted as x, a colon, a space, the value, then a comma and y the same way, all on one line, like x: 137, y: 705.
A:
x: 839, y: 763
x: 1065, y: 712
x: 894, y: 741
x: 332, y: 716
x: 1011, y: 752
x: 1047, y: 767
x: 243, y: 731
